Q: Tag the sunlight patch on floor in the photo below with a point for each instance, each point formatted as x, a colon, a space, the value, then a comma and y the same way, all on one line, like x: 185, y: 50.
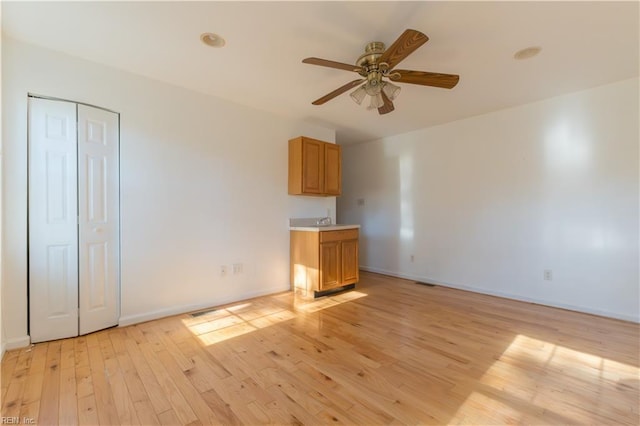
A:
x: 239, y: 307
x: 571, y: 362
x: 490, y: 406
x: 519, y: 383
x: 236, y: 320
x: 233, y: 321
x: 328, y: 301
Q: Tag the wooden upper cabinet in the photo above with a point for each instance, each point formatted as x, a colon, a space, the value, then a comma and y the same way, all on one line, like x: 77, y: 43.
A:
x: 314, y: 167
x: 332, y: 169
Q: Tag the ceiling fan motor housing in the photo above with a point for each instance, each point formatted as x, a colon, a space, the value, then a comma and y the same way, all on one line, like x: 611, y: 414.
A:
x: 372, y: 52
x: 370, y: 68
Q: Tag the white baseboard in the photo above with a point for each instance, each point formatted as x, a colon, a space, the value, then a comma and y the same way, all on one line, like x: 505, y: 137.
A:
x: 544, y: 302
x: 177, y: 310
x: 16, y: 343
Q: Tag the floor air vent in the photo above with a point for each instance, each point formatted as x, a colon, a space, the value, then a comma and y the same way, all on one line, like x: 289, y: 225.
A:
x: 427, y: 284
x: 199, y: 314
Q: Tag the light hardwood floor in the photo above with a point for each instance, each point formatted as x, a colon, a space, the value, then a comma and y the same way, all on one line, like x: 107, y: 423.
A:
x: 391, y: 351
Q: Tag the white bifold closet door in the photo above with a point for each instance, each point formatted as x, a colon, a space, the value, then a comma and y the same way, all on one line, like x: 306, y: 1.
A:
x: 74, y: 270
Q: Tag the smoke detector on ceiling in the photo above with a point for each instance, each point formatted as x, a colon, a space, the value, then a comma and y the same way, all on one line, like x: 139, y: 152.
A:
x: 213, y: 40
x: 527, y: 53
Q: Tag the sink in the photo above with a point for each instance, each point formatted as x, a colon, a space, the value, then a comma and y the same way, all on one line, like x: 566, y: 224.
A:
x: 311, y: 224
x: 316, y: 228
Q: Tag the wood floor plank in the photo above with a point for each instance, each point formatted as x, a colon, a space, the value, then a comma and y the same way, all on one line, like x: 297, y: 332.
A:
x: 84, y: 381
x: 221, y: 408
x: 146, y: 414
x: 168, y: 418
x: 120, y: 393
x: 183, y: 361
x: 178, y: 402
x: 229, y: 391
x: 232, y: 362
x: 67, y: 354
x: 80, y: 353
x: 49, y: 400
x: 323, y: 388
x: 9, y: 362
x: 30, y: 405
x: 12, y: 403
x: 191, y: 394
x: 389, y: 352
x: 202, y: 375
x: 102, y: 392
x: 135, y: 387
x: 31, y: 396
x: 192, y: 349
x: 153, y: 390
x: 34, y: 358
x: 88, y: 411
x: 68, y: 410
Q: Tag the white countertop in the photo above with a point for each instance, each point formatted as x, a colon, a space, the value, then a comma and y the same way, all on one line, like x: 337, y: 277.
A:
x: 317, y: 228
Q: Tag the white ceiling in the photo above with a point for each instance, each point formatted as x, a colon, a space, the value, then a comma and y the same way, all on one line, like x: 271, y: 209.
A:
x: 585, y: 44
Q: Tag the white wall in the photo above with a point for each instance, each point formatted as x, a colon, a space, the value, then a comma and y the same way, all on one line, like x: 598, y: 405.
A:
x: 488, y: 203
x: 203, y: 183
x: 2, y: 333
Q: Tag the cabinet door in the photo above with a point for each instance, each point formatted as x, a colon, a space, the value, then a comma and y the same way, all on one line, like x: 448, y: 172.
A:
x: 350, y: 270
x: 330, y: 265
x: 332, y: 169
x: 312, y: 166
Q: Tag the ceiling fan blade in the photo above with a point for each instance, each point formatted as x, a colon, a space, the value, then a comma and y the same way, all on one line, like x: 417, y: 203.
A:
x: 405, y: 45
x: 331, y: 64
x: 388, y: 105
x: 445, y: 81
x: 338, y: 91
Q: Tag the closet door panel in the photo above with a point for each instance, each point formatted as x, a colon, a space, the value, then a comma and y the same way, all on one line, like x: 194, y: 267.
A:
x: 53, y: 232
x: 99, y: 229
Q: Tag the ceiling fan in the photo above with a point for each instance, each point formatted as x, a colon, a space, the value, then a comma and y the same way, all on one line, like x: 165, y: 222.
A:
x: 377, y: 63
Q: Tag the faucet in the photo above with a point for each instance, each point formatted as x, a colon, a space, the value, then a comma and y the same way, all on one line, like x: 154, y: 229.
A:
x: 323, y: 221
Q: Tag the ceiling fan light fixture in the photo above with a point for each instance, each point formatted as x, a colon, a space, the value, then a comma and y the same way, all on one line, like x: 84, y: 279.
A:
x: 373, y: 88
x: 359, y: 94
x: 391, y: 90
x: 376, y: 101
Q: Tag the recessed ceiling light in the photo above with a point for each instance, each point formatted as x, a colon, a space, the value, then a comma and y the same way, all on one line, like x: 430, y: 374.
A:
x: 527, y: 53
x: 211, y: 39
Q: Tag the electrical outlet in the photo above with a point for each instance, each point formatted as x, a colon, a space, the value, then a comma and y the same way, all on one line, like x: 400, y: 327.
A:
x: 412, y: 258
x: 548, y: 275
x: 361, y: 201
x: 223, y: 270
x: 237, y: 268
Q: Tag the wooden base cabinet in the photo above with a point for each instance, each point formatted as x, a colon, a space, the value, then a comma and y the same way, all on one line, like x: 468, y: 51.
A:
x: 324, y: 260
x: 350, y: 268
